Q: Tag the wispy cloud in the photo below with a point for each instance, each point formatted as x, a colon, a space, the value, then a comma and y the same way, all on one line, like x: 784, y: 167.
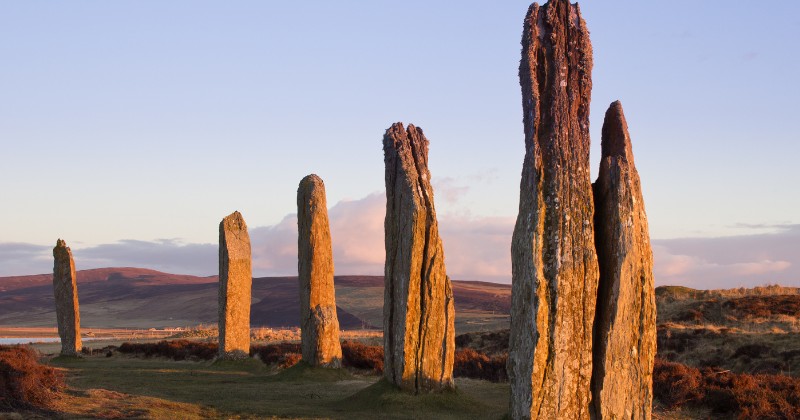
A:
x: 17, y: 259
x: 475, y: 249
x: 167, y: 255
x: 732, y: 261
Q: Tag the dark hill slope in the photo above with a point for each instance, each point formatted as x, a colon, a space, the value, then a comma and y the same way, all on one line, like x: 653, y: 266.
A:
x: 134, y: 297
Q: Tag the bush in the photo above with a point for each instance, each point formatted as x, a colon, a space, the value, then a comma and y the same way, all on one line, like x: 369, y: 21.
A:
x: 675, y: 384
x: 275, y: 353
x: 24, y: 383
x: 752, y: 351
x: 290, y: 359
x: 747, y: 397
x: 360, y: 356
x: 469, y: 363
x: 176, y: 350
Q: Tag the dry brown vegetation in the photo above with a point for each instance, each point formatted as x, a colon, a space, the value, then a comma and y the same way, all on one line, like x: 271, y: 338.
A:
x: 175, y: 350
x: 359, y: 356
x: 747, y: 397
x: 24, y: 383
x: 469, y: 363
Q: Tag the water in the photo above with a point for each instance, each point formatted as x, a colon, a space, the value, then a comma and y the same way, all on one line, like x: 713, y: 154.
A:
x: 29, y: 340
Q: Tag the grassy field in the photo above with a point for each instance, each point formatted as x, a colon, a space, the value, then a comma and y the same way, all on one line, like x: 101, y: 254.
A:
x: 121, y: 386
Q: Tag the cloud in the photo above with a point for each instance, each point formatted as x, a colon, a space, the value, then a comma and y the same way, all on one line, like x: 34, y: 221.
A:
x: 475, y: 249
x: 446, y: 189
x: 732, y: 261
x: 167, y: 255
x: 19, y: 259
x: 686, y: 270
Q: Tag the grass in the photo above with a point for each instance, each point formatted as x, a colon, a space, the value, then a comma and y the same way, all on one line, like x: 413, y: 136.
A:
x: 386, y: 398
x: 160, y: 388
x: 248, y: 365
x: 63, y: 359
x: 303, y: 372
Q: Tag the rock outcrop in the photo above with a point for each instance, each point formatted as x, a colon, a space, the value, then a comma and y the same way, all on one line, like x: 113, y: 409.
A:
x: 625, y: 321
x: 554, y: 263
x: 418, y: 311
x: 319, y: 323
x: 235, y: 282
x: 65, y: 289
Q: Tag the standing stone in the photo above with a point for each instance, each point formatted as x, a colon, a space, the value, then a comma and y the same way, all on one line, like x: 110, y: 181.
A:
x: 65, y: 289
x: 625, y: 322
x: 554, y: 263
x: 418, y: 311
x: 319, y: 324
x: 235, y: 281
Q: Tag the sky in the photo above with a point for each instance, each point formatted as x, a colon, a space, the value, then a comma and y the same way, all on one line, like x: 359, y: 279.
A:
x: 130, y: 129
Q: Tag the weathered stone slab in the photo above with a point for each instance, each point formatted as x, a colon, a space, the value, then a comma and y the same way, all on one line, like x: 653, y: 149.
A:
x: 235, y: 282
x: 319, y: 323
x: 625, y: 322
x: 554, y: 263
x: 418, y: 311
x: 65, y: 289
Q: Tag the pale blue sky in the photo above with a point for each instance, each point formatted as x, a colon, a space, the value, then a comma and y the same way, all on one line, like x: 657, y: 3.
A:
x: 147, y: 120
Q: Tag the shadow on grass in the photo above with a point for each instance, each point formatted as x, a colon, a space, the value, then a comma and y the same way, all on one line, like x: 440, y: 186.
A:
x: 66, y: 360
x: 247, y: 365
x: 385, y: 397
x: 303, y: 372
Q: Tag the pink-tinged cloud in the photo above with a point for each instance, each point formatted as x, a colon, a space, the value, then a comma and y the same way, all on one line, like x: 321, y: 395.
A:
x: 475, y: 249
x: 687, y: 270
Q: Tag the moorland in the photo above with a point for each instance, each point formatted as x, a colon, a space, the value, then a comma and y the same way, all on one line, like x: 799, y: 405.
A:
x: 721, y: 353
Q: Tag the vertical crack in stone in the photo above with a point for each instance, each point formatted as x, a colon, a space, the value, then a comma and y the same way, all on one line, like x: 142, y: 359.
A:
x: 235, y: 283
x: 419, y: 341
x: 624, y: 326
x: 65, y: 290
x: 319, y: 323
x: 554, y: 263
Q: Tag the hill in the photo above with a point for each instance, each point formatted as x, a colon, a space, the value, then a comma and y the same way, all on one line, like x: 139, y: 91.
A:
x: 141, y: 298
x: 138, y: 276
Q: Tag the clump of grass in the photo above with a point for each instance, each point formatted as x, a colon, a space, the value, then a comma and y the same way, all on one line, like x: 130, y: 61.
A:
x: 24, y: 383
x: 176, y: 350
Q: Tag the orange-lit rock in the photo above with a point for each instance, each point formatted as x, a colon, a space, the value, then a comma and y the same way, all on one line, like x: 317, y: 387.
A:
x: 65, y: 290
x: 625, y: 322
x: 554, y: 264
x: 235, y: 281
x: 319, y: 323
x: 418, y: 311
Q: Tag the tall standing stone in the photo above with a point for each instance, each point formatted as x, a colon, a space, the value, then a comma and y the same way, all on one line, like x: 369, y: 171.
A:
x: 554, y: 263
x: 319, y: 323
x: 625, y: 322
x: 65, y: 289
x: 418, y: 311
x: 235, y: 281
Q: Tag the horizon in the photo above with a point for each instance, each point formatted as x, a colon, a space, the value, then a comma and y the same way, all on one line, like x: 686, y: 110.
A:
x: 131, y: 131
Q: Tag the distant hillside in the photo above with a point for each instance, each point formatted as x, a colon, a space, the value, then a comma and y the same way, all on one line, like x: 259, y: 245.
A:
x: 138, y: 276
x: 133, y: 297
